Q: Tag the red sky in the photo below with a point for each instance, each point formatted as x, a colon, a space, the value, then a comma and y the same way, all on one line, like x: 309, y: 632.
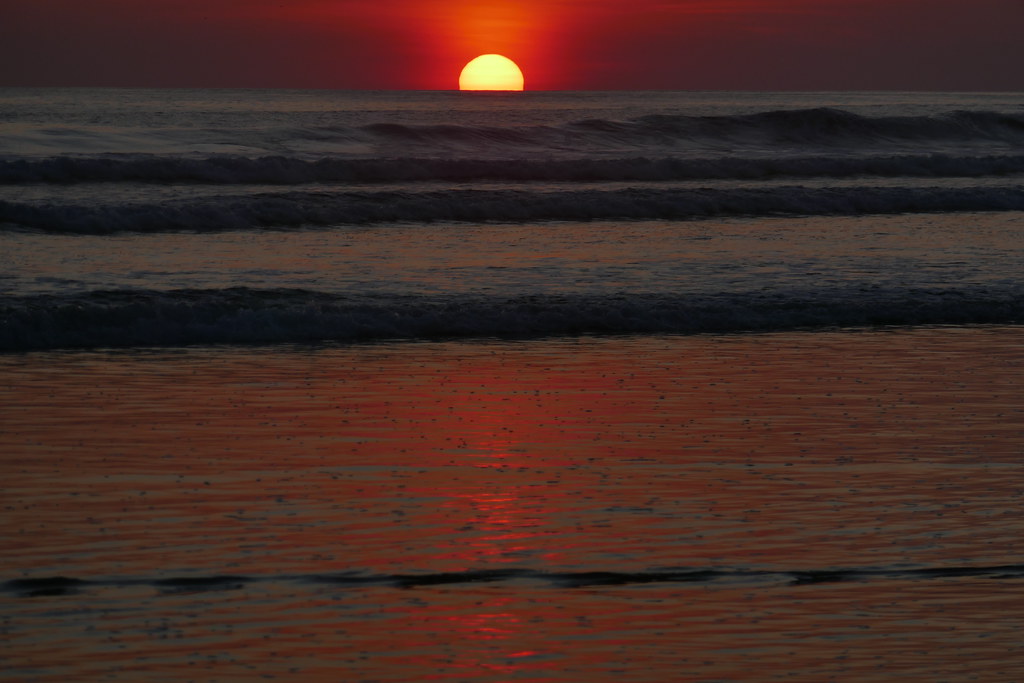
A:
x: 560, y: 44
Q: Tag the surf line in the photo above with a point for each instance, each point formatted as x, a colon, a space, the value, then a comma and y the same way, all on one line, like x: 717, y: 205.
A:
x: 61, y: 585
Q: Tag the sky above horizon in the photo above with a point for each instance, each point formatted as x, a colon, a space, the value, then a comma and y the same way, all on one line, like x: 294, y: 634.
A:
x: 559, y: 44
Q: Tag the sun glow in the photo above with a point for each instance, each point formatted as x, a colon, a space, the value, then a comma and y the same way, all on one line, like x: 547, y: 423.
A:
x: 491, y: 72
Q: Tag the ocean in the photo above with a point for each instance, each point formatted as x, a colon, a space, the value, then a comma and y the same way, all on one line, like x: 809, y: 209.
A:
x: 540, y: 386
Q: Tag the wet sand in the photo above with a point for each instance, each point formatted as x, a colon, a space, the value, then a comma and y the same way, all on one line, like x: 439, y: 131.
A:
x: 800, y: 506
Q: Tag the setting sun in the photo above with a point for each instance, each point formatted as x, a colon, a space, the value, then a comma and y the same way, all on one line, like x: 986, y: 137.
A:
x: 491, y: 72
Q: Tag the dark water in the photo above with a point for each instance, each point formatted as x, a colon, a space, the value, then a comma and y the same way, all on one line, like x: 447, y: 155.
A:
x: 549, y: 387
x: 178, y: 217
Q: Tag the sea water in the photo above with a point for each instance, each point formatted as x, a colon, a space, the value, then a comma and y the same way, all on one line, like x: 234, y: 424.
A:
x: 175, y: 217
x: 493, y: 386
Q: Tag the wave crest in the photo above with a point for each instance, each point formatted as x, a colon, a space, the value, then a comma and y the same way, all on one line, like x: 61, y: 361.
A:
x: 282, y: 170
x: 297, y: 209
x: 250, y: 316
x: 819, y: 126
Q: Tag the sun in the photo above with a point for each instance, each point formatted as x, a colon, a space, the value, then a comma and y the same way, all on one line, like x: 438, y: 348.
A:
x: 491, y: 72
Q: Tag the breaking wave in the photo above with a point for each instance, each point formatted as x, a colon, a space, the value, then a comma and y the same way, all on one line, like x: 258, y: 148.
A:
x: 818, y: 126
x: 125, y: 318
x: 282, y: 170
x: 303, y: 208
x: 805, y: 142
x: 823, y: 124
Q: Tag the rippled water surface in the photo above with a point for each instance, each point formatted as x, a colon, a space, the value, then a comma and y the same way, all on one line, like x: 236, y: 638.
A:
x: 791, y: 255
x: 809, y: 506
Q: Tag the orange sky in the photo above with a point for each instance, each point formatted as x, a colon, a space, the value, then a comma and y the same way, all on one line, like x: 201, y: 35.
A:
x: 560, y: 44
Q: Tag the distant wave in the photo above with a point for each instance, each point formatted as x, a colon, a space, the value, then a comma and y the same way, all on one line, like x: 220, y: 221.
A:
x: 822, y: 125
x: 52, y: 586
x: 665, y: 146
x: 295, y: 209
x: 124, y: 318
x: 281, y: 170
x: 818, y: 126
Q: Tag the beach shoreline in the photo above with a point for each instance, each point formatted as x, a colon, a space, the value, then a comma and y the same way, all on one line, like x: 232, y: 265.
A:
x: 800, y: 453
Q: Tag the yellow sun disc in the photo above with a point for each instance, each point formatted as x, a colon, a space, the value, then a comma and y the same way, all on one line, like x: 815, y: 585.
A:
x: 491, y: 72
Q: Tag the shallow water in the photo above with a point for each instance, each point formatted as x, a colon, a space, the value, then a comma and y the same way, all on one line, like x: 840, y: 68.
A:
x: 797, y: 255
x: 809, y: 506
